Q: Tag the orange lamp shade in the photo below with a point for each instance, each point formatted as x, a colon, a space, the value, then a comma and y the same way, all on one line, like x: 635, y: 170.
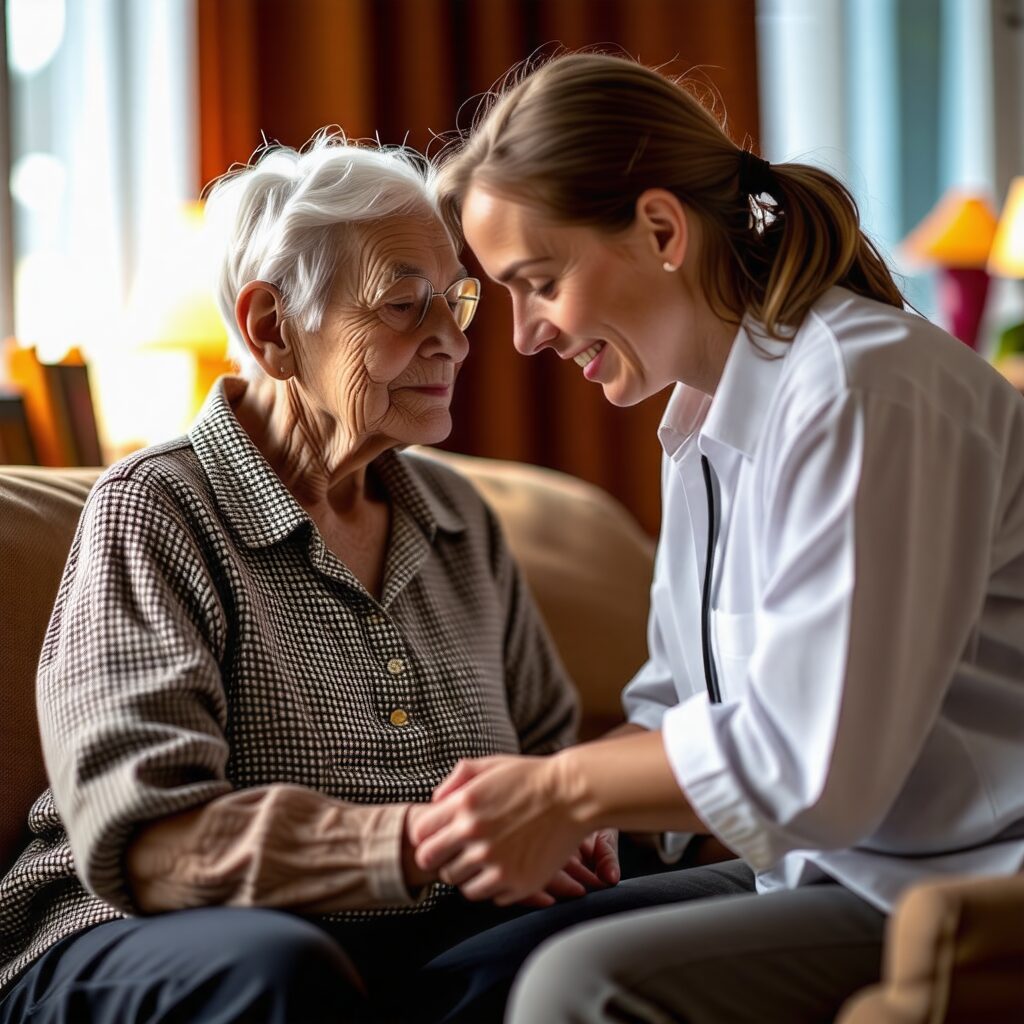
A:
x: 957, y: 233
x: 1007, y: 256
x: 956, y: 237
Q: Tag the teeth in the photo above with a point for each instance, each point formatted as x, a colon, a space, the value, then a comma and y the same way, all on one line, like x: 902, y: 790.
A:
x: 585, y: 357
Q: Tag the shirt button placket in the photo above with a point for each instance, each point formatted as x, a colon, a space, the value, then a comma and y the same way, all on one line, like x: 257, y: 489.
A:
x: 398, y: 717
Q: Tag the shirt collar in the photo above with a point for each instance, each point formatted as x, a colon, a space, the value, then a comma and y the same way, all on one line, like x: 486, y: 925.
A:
x: 424, y: 503
x: 257, y: 504
x: 735, y: 415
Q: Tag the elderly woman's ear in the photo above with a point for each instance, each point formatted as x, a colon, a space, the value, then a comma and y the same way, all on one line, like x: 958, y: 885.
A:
x: 259, y: 312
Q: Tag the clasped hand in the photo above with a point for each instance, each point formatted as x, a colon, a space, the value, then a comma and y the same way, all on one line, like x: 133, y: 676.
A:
x: 501, y: 828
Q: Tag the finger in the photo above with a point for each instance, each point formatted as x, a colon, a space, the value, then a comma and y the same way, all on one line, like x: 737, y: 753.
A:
x: 463, y: 867
x: 440, y: 848
x: 465, y: 771
x: 506, y: 897
x: 432, y: 818
x: 538, y: 899
x: 583, y: 875
x: 606, y: 858
x: 587, y: 848
x: 487, y: 885
x: 564, y: 887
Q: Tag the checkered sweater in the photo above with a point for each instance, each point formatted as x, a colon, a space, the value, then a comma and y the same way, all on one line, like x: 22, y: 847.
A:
x: 204, y: 640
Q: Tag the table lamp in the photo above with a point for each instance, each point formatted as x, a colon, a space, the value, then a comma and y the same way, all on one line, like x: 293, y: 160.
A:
x: 1007, y: 259
x: 956, y: 238
x: 173, y: 309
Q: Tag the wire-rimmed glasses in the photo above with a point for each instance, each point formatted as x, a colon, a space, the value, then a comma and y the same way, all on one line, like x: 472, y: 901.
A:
x: 404, y: 306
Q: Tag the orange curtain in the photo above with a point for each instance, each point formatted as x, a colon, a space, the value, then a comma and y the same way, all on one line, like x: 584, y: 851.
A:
x: 401, y: 69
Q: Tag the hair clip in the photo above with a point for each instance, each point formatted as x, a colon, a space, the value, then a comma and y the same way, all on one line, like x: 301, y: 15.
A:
x: 764, y: 212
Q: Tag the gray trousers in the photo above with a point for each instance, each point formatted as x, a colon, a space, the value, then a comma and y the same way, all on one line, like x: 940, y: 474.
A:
x: 789, y: 957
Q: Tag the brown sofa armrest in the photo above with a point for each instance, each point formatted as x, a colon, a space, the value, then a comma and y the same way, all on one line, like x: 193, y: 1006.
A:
x: 954, y: 952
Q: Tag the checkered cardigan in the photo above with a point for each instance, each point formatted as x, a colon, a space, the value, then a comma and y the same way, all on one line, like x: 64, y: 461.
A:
x: 205, y: 640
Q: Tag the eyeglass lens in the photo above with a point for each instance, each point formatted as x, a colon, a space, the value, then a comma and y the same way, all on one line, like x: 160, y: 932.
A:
x: 405, y: 305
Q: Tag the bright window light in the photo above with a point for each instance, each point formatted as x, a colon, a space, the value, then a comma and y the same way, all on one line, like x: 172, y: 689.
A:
x: 37, y: 181
x: 35, y: 29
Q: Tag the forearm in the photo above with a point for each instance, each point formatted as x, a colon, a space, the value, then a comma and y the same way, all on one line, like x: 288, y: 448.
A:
x: 620, y: 731
x: 623, y: 780
x: 282, y: 846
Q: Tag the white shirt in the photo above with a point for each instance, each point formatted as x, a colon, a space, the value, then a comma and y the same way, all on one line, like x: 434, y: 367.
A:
x: 867, y: 604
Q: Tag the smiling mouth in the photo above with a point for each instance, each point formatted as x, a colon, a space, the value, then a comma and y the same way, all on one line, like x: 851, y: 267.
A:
x: 584, y: 358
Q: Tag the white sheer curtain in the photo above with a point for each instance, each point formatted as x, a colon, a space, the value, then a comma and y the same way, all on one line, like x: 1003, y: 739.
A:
x: 897, y: 97
x: 104, y: 138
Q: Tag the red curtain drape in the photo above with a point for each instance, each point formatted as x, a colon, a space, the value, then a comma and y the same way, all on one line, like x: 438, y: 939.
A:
x: 402, y: 69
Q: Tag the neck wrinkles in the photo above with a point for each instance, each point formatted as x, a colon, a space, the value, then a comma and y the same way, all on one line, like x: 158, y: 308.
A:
x: 315, y: 456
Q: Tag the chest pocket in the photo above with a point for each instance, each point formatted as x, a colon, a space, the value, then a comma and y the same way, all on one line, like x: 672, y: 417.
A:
x: 735, y: 639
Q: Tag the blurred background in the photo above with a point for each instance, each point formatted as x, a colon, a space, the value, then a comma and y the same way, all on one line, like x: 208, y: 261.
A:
x: 115, y: 113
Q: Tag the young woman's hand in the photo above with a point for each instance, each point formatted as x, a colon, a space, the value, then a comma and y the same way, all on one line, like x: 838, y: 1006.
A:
x: 415, y: 876
x: 501, y: 828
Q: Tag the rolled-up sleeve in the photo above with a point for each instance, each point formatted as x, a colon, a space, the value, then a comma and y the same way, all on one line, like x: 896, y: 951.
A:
x: 275, y: 846
x: 859, y: 629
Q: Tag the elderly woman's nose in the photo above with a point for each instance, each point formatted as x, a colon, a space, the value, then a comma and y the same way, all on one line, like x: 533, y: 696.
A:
x: 446, y: 338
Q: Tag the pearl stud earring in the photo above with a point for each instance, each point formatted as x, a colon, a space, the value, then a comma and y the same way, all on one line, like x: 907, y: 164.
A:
x: 670, y: 267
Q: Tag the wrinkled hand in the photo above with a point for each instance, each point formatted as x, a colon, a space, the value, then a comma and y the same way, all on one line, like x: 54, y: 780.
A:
x: 499, y: 828
x: 594, y: 866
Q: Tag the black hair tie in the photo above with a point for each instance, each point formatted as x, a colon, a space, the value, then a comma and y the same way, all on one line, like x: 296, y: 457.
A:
x: 755, y: 175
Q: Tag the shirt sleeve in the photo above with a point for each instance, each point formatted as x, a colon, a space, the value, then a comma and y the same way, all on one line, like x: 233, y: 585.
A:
x: 858, y: 630
x: 276, y: 846
x: 660, y: 681
x: 542, y: 700
x: 652, y: 691
x: 133, y: 717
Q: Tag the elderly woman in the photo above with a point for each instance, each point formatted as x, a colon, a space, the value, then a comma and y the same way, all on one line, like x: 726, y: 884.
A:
x: 275, y: 636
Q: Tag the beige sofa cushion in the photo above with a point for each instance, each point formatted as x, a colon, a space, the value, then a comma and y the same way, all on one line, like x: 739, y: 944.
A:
x: 39, y: 510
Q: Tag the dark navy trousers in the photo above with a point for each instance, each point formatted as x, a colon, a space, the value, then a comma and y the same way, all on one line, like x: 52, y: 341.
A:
x: 223, y: 965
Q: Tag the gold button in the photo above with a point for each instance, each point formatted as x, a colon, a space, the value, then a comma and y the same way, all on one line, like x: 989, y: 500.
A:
x: 399, y: 717
x: 396, y: 666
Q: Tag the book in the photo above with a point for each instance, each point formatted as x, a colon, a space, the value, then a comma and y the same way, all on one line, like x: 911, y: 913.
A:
x: 16, y: 444
x: 59, y: 408
x: 69, y: 385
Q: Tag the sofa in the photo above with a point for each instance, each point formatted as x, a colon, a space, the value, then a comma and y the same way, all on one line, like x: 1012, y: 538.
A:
x: 955, y: 947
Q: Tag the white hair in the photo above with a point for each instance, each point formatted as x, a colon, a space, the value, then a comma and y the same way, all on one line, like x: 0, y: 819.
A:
x: 278, y: 219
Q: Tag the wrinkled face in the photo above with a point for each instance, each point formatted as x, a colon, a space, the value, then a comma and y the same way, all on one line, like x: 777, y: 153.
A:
x: 598, y: 299
x: 372, y: 380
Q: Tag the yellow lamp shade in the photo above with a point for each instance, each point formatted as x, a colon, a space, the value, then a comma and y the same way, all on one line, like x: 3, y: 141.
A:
x: 172, y: 313
x: 172, y: 304
x: 957, y: 233
x: 1007, y: 256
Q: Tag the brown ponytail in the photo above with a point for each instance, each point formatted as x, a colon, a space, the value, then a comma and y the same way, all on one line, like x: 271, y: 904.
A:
x: 585, y: 134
